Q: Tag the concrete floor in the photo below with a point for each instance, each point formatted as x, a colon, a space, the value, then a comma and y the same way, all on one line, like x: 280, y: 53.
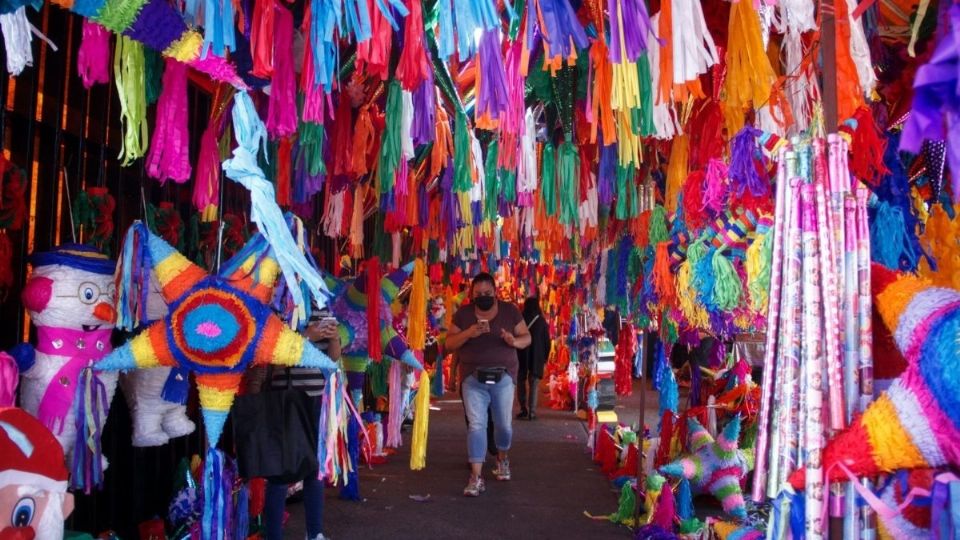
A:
x: 554, y: 482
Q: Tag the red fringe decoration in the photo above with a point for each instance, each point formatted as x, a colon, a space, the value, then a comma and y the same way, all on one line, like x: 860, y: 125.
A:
x: 629, y: 467
x: 258, y: 495
x: 413, y: 67
x: 625, y: 352
x: 666, y: 437
x: 373, y: 309
x: 284, y: 154
x: 261, y: 38
x: 694, y: 212
x: 343, y: 138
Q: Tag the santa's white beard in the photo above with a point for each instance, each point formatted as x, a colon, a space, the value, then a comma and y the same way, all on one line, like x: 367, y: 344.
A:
x: 50, y: 526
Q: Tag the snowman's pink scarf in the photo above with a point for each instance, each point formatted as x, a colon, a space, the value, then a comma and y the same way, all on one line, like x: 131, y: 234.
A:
x: 58, y: 396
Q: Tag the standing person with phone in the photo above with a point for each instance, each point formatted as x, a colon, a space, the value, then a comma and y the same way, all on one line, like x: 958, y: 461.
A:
x: 486, y: 334
x: 323, y: 331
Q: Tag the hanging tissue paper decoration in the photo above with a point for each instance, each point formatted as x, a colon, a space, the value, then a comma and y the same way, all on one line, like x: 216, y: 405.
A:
x: 264, y: 212
x: 69, y: 298
x: 217, y: 327
x: 716, y: 466
x: 160, y: 26
x: 916, y: 422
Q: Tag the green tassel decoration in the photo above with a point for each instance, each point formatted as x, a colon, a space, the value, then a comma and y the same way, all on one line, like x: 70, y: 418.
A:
x: 462, y: 181
x: 492, y: 187
x: 625, y: 506
x: 727, y: 288
x: 390, y: 149
x: 311, y: 147
x: 548, y: 179
x: 154, y: 66
x: 624, y: 177
x: 130, y: 78
x: 659, y: 231
x: 508, y: 185
x: 647, y: 127
x: 569, y: 184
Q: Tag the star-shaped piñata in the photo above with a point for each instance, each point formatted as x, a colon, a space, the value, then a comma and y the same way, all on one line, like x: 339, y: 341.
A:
x: 714, y: 466
x: 217, y: 327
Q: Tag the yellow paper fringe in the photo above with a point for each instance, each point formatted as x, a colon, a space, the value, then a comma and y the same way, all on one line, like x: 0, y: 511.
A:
x: 676, y: 171
x: 749, y: 74
x: 421, y: 423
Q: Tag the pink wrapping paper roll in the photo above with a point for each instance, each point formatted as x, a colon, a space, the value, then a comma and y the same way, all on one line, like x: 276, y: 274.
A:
x: 813, y: 435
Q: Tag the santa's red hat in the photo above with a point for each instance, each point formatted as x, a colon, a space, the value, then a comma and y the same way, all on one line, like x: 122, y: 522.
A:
x: 31, y: 454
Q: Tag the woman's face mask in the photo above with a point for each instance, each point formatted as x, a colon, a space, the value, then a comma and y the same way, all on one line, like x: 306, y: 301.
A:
x: 485, y: 303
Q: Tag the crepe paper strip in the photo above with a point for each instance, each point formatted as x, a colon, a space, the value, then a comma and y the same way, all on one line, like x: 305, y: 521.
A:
x: 406, y: 123
x: 461, y: 154
x: 206, y: 188
x: 561, y: 30
x: 264, y: 212
x: 568, y: 167
x: 282, y: 104
x: 283, y: 180
x: 17, y: 38
x: 262, y: 37
x: 128, y: 72
x: 743, y: 163
x: 629, y: 29
x: 391, y: 147
x: 749, y: 74
x: 373, y: 55
x: 219, y: 31
x: 491, y: 77
x: 421, y: 418
x: 169, y: 156
x: 676, y: 171
x: 601, y: 99
x: 692, y: 48
x: 414, y: 67
x: 93, y: 56
x: 469, y: 16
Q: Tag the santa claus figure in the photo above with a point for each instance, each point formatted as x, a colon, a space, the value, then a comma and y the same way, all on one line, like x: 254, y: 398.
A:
x: 69, y: 297
x: 34, y: 500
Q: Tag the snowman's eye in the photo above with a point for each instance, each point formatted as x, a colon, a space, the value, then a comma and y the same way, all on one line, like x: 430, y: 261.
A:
x: 88, y: 292
x: 23, y: 512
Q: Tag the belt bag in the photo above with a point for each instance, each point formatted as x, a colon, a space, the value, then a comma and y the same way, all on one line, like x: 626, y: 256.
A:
x: 490, y: 375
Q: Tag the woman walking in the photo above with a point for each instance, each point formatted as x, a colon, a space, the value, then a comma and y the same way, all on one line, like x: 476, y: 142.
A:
x: 486, y: 334
x: 532, y: 358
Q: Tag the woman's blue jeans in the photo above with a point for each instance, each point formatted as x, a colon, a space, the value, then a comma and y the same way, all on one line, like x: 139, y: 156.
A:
x: 477, y: 399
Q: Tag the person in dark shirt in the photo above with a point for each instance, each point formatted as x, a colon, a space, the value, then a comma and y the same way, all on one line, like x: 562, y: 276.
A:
x: 323, y: 331
x: 532, y: 358
x: 486, y: 334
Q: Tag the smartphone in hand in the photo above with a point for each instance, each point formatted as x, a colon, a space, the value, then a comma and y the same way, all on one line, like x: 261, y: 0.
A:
x: 483, y: 325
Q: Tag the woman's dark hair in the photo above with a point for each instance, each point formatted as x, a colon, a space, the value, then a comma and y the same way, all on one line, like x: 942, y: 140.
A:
x: 482, y: 277
x: 531, y: 308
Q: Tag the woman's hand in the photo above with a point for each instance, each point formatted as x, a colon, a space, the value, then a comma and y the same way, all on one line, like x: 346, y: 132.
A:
x: 322, y: 330
x: 509, y: 338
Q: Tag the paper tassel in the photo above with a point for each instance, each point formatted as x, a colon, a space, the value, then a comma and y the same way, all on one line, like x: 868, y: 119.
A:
x: 665, y: 511
x: 561, y: 30
x: 662, y: 276
x: 282, y: 105
x: 727, y: 288
x: 17, y: 38
x: 491, y: 77
x: 693, y: 48
x: 91, y: 414
x: 676, y: 171
x: 372, y: 270
x: 391, y: 147
x: 169, y: 156
x: 421, y: 423
x: 350, y: 490
x: 206, y: 187
x: 743, y: 166
x: 396, y: 406
x: 548, y: 180
x: 749, y: 74
x: 216, y: 499
x: 417, y: 310
x: 413, y: 67
x: 128, y: 71
x: 264, y: 212
x: 93, y: 56
x: 218, y: 27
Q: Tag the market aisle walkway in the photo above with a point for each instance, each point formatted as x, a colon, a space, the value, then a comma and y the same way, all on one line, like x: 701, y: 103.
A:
x: 554, y: 481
